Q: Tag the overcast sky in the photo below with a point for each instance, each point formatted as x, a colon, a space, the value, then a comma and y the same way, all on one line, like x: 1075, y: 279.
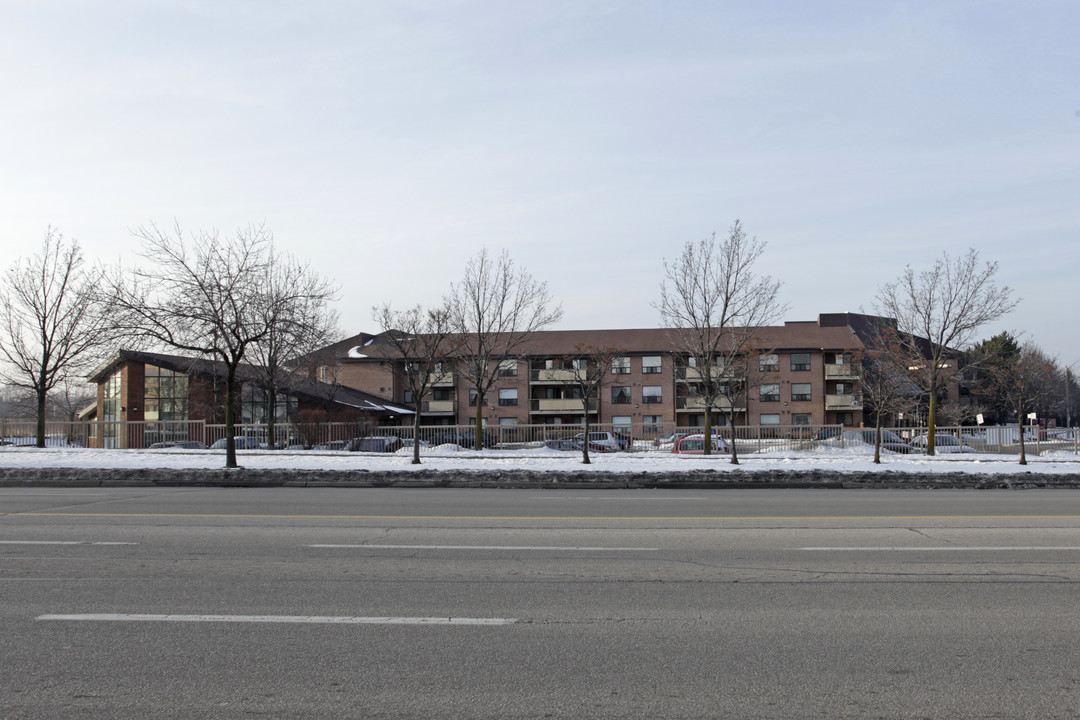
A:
x: 387, y: 142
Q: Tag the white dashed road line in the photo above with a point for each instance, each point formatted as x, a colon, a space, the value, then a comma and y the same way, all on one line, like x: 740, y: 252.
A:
x: 490, y: 547
x: 61, y: 542
x: 297, y: 619
x: 948, y: 548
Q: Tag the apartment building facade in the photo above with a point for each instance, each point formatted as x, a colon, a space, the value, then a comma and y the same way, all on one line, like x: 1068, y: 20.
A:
x: 806, y: 376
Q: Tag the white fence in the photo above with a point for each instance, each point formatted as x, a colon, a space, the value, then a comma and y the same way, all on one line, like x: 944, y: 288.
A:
x: 634, y: 437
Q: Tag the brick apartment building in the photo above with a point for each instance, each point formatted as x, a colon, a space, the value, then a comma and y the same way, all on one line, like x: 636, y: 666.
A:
x: 808, y: 379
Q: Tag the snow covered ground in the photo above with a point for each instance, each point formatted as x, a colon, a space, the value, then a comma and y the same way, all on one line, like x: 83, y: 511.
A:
x: 450, y: 457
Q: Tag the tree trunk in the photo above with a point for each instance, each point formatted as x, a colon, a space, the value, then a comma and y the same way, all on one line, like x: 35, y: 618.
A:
x: 1020, y: 427
x: 585, y: 441
x: 416, y: 433
x: 877, y: 440
x: 731, y: 424
x: 41, y: 414
x: 478, y: 434
x: 230, y: 417
x: 271, y: 428
x: 931, y: 424
x: 708, y: 429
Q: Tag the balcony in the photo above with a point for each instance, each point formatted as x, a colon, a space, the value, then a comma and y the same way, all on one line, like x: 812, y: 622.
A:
x: 441, y: 379
x: 693, y: 374
x: 560, y: 405
x: 556, y: 376
x: 696, y: 404
x: 840, y: 372
x: 437, y: 406
x: 843, y: 402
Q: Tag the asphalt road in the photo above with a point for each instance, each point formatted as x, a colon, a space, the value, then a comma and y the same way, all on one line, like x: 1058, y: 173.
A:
x: 396, y: 603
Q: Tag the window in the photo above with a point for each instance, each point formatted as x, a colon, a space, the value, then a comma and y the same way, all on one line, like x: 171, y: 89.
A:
x: 621, y: 423
x: 770, y: 393
x: 652, y: 394
x: 652, y: 423
x: 844, y: 388
x: 769, y: 362
x: 508, y: 396
x: 846, y: 419
x: 166, y: 395
x: 508, y: 421
x: 408, y: 397
x: 800, y: 361
x: 580, y: 363
x: 508, y: 368
x: 440, y: 394
x: 802, y: 419
x: 650, y: 365
x: 769, y: 419
x: 255, y: 405
x: 620, y: 395
x: 620, y: 366
x: 800, y: 392
x: 472, y: 398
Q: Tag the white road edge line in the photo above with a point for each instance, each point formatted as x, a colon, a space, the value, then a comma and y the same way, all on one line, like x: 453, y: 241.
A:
x: 299, y: 619
x: 489, y: 547
x: 61, y: 542
x: 949, y: 548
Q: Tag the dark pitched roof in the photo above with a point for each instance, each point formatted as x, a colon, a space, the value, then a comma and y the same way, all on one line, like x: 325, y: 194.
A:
x: 299, y: 385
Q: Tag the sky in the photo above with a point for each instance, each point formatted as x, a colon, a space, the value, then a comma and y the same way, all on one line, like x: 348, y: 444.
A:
x: 388, y: 142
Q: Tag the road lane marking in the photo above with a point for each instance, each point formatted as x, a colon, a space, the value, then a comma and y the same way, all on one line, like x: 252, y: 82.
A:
x: 298, y: 619
x: 949, y: 548
x: 235, y: 516
x: 489, y: 547
x: 61, y: 542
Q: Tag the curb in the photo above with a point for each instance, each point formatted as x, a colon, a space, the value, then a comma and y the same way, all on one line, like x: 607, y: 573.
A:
x: 525, y: 479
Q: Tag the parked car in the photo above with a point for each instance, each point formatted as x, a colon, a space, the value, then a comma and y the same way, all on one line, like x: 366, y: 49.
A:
x: 242, y: 443
x: 51, y: 440
x: 409, y: 442
x: 181, y: 445
x: 604, y: 441
x: 890, y: 441
x: 668, y: 439
x: 695, y: 445
x: 563, y: 444
x: 943, y: 443
x: 330, y: 445
x: 466, y: 440
x: 380, y: 443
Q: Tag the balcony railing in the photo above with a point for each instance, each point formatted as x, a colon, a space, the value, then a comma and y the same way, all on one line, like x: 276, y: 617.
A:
x: 696, y: 404
x: 693, y: 374
x: 441, y: 379
x: 560, y: 405
x: 843, y: 402
x: 438, y: 406
x: 560, y: 375
x: 844, y: 371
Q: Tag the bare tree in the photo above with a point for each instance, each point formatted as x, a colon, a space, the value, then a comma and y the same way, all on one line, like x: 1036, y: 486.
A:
x: 887, y: 387
x: 938, y: 312
x: 584, y: 371
x: 300, y: 322
x: 54, y: 319
x: 1026, y: 381
x: 205, y: 294
x: 495, y: 309
x: 422, y: 341
x: 713, y: 304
